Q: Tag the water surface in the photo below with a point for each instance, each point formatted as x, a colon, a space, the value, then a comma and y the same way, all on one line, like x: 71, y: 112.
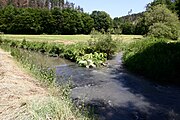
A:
x: 118, y: 95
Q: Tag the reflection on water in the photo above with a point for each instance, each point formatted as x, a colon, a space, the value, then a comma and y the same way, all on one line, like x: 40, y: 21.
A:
x: 45, y: 60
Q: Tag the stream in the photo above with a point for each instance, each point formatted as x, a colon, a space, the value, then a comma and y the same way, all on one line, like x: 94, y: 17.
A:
x: 116, y: 94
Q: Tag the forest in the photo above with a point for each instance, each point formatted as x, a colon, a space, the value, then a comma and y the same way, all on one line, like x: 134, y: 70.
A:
x: 59, y: 17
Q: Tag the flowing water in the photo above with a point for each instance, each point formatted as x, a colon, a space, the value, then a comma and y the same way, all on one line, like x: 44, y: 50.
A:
x: 116, y: 94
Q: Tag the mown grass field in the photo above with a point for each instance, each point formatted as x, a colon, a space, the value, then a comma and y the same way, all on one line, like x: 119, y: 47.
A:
x: 67, y: 39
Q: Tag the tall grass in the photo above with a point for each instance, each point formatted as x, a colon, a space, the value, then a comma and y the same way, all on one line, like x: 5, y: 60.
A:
x: 57, y: 105
x: 158, y: 59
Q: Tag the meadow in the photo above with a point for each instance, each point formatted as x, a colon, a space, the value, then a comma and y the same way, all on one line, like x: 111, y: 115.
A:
x: 67, y: 39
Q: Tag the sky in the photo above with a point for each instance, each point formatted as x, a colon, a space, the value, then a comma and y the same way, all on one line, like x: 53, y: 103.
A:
x: 116, y: 8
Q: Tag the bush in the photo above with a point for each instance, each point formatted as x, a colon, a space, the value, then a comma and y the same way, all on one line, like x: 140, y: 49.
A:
x: 103, y: 43
x: 157, y: 59
x: 79, y: 52
x: 161, y: 30
x: 159, y: 21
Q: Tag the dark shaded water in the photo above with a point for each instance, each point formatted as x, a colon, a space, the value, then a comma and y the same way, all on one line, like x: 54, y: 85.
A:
x: 116, y: 94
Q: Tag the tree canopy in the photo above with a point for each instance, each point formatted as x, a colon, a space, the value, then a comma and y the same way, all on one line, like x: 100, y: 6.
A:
x: 102, y: 20
x: 160, y: 18
x: 39, y: 21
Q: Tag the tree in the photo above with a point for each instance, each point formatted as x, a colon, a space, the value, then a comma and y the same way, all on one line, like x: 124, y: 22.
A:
x: 102, y: 20
x: 46, y: 21
x: 169, y: 3
x: 25, y: 22
x: 6, y: 18
x: 173, y: 5
x: 58, y: 17
x: 117, y: 22
x: 178, y: 7
x: 161, y: 14
x: 141, y: 28
x: 72, y: 22
x: 128, y: 28
x: 88, y: 23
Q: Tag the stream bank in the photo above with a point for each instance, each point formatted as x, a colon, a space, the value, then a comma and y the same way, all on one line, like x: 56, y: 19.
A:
x: 116, y: 94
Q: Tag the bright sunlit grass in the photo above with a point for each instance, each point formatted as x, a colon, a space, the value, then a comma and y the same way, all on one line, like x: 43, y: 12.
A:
x: 65, y: 38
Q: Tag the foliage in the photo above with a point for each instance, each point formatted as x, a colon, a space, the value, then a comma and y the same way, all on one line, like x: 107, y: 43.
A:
x: 158, y: 59
x: 178, y: 7
x: 74, y: 52
x: 126, y: 24
x: 47, y: 75
x: 117, y: 31
x: 88, y: 23
x: 117, y: 26
x: 72, y: 22
x: 160, y: 30
x: 141, y: 28
x: 102, y: 20
x: 161, y: 15
x: 128, y: 28
x: 92, y: 60
x: 103, y: 43
x: 43, y: 21
x: 173, y: 5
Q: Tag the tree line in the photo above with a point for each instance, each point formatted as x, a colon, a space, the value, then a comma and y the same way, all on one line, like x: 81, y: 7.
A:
x: 15, y: 20
x: 135, y: 23
x: 59, y: 17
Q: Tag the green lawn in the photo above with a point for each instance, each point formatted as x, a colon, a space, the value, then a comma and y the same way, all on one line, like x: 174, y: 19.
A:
x: 65, y: 38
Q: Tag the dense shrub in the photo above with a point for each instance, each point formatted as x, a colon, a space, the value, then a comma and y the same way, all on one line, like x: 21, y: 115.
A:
x: 103, y: 43
x: 161, y: 30
x: 157, y: 59
x: 158, y: 18
x: 81, y: 53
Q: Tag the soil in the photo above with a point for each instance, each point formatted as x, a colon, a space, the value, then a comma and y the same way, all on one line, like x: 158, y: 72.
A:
x: 17, y: 88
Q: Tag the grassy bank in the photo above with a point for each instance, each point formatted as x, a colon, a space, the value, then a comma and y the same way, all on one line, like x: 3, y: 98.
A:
x: 158, y: 59
x: 80, y: 53
x: 92, y: 53
x: 57, y: 105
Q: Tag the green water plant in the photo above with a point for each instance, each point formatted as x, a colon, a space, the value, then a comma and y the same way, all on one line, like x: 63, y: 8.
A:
x: 92, y: 60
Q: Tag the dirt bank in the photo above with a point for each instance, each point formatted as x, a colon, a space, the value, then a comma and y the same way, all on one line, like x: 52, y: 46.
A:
x: 17, y: 88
